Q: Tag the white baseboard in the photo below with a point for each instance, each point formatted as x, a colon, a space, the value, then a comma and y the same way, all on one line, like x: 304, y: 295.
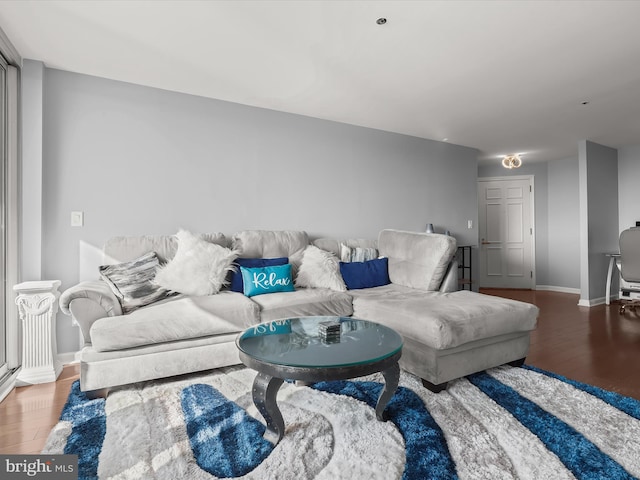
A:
x: 585, y: 302
x: 552, y: 288
x: 64, y: 358
x: 67, y: 358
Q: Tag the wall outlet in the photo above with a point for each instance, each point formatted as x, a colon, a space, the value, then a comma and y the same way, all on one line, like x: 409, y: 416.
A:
x: 77, y: 219
x: 469, y: 223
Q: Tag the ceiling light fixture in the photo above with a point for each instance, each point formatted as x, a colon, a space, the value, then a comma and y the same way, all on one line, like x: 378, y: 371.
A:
x: 381, y: 21
x: 511, y: 161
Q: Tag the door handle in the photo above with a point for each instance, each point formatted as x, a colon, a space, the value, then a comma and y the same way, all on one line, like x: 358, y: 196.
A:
x: 484, y: 242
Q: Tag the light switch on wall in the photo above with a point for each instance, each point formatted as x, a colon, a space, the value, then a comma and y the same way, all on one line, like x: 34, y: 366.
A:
x: 469, y: 223
x: 77, y: 219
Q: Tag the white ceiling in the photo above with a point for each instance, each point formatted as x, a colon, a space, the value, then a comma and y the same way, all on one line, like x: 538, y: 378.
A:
x: 501, y: 76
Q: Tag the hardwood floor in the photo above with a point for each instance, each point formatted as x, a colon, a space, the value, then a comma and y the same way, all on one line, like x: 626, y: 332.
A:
x: 28, y: 414
x: 593, y: 345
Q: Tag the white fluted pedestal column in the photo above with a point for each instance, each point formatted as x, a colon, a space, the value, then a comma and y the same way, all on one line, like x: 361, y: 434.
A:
x: 38, y: 304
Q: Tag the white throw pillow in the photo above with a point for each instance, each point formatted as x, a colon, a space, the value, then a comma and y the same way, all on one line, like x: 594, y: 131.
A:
x: 320, y: 269
x: 198, y: 267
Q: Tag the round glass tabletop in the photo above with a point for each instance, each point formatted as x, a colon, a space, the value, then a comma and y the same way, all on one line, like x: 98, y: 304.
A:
x: 300, y: 342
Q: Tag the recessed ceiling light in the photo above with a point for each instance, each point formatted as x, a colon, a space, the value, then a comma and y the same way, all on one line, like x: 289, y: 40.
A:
x: 381, y: 21
x: 445, y: 139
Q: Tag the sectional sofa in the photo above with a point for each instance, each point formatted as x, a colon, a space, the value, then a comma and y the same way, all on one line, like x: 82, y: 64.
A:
x: 447, y: 333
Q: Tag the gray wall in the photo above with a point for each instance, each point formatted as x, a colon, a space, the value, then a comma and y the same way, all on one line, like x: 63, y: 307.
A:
x: 139, y: 160
x: 564, y: 224
x: 599, y: 232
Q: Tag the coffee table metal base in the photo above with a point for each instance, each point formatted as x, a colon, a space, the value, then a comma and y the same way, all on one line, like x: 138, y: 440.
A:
x: 391, y: 380
x: 266, y: 386
x: 265, y: 390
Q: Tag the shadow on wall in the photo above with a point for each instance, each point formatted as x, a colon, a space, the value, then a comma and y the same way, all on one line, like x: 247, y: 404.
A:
x: 91, y: 257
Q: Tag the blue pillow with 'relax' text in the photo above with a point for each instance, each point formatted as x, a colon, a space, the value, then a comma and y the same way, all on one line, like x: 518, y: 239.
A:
x: 258, y: 281
x: 235, y: 279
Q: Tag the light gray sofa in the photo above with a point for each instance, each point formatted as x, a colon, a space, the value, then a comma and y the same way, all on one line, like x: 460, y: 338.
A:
x: 447, y: 333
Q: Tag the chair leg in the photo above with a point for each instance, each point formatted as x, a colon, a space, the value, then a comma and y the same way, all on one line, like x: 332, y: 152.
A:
x: 629, y: 305
x: 434, y: 388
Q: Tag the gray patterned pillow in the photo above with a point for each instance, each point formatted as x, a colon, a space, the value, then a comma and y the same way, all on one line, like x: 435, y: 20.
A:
x: 357, y: 254
x: 132, y: 282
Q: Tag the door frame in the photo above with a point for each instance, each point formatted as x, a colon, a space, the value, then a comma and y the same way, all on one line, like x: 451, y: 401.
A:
x: 11, y: 189
x: 531, y: 179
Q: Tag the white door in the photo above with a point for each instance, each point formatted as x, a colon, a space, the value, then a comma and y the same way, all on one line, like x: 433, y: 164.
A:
x: 505, y: 224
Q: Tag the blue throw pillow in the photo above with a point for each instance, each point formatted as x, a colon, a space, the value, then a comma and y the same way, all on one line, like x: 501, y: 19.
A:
x: 372, y: 273
x: 258, y: 281
x: 235, y: 281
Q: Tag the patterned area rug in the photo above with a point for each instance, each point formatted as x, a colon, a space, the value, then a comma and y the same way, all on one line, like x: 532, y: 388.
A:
x: 501, y: 424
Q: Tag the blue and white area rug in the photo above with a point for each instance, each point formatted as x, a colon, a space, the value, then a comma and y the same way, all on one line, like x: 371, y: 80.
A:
x: 503, y: 424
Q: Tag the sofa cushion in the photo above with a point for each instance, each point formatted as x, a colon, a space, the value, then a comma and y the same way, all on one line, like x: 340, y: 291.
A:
x: 271, y: 244
x: 132, y: 282
x: 263, y: 280
x: 320, y: 269
x: 90, y: 354
x: 302, y: 303
x: 124, y: 249
x: 235, y: 279
x: 198, y: 267
x: 416, y: 260
x: 443, y: 320
x: 372, y: 273
x: 181, y: 318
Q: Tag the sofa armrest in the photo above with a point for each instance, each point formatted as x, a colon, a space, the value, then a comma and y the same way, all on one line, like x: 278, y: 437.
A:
x: 450, y: 280
x: 88, y: 302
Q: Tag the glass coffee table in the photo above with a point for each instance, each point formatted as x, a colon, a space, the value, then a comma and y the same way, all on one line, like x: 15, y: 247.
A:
x: 295, y: 349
